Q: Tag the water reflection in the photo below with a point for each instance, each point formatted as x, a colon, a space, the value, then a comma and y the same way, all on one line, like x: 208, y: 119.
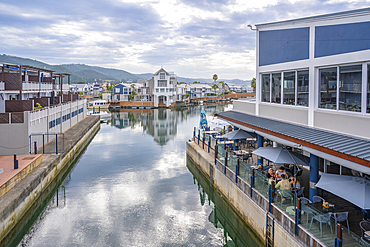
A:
x: 130, y: 188
x: 232, y: 231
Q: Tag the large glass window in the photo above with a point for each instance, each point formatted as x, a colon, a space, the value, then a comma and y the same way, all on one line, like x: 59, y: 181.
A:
x: 162, y: 83
x: 350, y: 87
x: 276, y: 88
x: 302, y: 87
x: 328, y: 88
x: 266, y: 88
x: 162, y: 76
x: 368, y: 90
x: 289, y: 88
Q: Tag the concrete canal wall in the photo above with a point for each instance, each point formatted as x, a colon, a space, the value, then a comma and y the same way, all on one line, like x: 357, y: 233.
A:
x: 16, y: 202
x: 253, y: 214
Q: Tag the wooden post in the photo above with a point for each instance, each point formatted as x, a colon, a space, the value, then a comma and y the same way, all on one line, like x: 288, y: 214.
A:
x: 2, y: 74
x: 216, y: 152
x: 39, y: 82
x: 198, y: 136
x: 338, y: 239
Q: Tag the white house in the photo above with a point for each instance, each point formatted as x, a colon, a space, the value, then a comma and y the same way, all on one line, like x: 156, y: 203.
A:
x: 163, y: 86
x: 35, y: 106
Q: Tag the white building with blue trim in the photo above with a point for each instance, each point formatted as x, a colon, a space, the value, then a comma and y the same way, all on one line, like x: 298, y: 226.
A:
x: 313, y: 90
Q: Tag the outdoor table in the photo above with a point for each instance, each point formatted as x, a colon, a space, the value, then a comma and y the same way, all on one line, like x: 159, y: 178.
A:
x: 241, y: 152
x: 210, y: 132
x: 320, y: 208
x: 290, y: 210
x: 367, y: 233
x: 226, y: 142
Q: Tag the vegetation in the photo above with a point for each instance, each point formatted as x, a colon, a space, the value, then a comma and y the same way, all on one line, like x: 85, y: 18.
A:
x: 100, y: 96
x: 132, y: 95
x: 253, y: 84
x: 182, y: 82
x: 214, y: 86
x: 215, y: 78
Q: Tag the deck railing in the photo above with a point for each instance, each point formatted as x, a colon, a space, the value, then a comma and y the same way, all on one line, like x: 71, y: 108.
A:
x: 254, y: 184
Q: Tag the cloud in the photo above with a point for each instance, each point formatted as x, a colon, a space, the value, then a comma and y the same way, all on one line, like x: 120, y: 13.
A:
x: 192, y: 38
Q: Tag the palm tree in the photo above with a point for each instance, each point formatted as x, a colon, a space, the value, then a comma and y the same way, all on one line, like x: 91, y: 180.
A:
x: 215, y: 77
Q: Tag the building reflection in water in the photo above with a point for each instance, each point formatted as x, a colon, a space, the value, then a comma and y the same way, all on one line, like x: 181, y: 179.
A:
x: 159, y: 123
x: 232, y: 230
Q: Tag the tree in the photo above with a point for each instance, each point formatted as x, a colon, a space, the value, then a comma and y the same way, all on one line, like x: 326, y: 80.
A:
x: 132, y: 95
x: 223, y: 85
x: 253, y: 84
x: 214, y: 87
x: 215, y: 77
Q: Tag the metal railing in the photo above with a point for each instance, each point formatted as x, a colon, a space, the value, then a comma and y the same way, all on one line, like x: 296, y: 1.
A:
x: 48, y: 143
x: 293, y: 218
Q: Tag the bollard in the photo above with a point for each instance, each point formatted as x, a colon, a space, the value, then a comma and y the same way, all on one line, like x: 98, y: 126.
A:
x: 194, y: 133
x: 226, y: 162
x: 271, y: 195
x: 338, y: 240
x: 252, y: 182
x: 94, y: 110
x: 15, y: 162
x: 99, y: 109
x: 35, y: 146
x: 209, y: 143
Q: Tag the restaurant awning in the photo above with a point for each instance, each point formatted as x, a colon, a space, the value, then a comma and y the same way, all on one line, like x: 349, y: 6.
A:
x: 280, y: 155
x: 353, y: 189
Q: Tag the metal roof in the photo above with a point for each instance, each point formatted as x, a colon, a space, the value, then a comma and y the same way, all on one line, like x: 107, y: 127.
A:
x: 344, y: 144
x: 344, y: 14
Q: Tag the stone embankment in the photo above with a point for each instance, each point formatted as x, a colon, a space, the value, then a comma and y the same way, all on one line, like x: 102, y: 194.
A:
x: 19, y: 199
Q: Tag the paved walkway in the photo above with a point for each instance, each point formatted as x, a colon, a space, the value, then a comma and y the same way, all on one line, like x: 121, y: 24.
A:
x: 7, y: 170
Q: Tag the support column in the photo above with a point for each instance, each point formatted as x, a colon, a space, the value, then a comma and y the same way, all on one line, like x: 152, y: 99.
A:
x: 314, y: 175
x: 259, y: 144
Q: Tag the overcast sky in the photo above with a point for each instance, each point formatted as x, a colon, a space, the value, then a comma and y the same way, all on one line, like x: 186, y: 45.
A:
x: 192, y: 38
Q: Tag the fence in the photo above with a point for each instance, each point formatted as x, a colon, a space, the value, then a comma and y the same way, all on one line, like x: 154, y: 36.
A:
x: 51, y: 143
x: 254, y: 184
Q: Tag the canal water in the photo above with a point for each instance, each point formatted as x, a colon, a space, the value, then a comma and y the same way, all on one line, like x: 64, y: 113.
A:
x: 134, y: 186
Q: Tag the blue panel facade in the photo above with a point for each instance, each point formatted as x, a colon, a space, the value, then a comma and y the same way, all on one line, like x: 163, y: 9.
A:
x: 339, y: 39
x: 280, y: 46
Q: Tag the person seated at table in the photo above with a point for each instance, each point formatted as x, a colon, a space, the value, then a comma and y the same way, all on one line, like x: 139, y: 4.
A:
x: 293, y: 186
x: 270, y: 176
x: 283, y: 185
x: 280, y: 172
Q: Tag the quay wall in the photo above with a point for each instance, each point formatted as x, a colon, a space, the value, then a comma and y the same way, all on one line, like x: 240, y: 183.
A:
x: 251, y: 213
x: 15, y: 204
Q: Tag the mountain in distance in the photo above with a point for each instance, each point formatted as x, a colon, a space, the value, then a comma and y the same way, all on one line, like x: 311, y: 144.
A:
x: 86, y: 73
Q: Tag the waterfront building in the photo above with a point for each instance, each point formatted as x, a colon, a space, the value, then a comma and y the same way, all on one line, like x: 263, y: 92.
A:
x: 34, y: 104
x: 121, y: 92
x: 313, y: 91
x: 163, y: 85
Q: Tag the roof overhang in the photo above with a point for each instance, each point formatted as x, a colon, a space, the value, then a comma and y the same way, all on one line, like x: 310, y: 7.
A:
x: 323, y: 151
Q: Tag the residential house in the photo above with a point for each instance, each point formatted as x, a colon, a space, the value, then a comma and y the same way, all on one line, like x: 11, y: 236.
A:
x: 163, y: 86
x: 35, y: 105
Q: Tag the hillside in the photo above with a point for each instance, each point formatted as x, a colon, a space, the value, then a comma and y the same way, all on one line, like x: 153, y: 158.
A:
x: 86, y: 73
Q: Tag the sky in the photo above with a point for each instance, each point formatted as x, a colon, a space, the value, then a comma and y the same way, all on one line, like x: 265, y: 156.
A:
x: 192, y: 38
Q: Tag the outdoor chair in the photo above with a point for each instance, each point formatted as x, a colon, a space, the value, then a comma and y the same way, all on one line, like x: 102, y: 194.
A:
x: 339, y: 217
x: 317, y: 199
x: 365, y: 226
x: 300, y: 191
x: 306, y: 209
x: 284, y: 194
x: 322, y: 218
